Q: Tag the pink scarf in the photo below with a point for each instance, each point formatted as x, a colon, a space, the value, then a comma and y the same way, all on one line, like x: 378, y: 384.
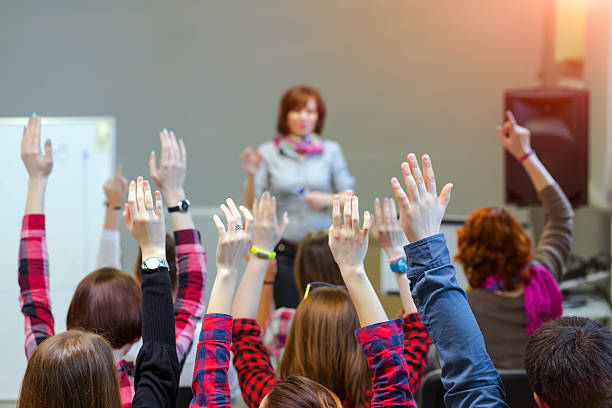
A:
x: 542, y: 296
x: 298, y: 145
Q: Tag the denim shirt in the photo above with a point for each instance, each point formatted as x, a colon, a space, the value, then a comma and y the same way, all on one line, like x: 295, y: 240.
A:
x: 468, y: 375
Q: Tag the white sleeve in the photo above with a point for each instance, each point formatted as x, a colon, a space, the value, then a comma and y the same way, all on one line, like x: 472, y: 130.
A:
x: 109, y: 254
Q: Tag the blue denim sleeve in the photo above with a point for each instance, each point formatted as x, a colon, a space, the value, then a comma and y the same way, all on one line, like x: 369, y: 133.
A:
x: 468, y: 375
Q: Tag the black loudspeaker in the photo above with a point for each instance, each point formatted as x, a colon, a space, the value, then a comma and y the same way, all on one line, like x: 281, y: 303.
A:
x: 558, y: 119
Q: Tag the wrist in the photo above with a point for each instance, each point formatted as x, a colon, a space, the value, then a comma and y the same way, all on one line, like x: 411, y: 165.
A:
x: 264, y: 247
x: 352, y: 270
x: 39, y: 182
x: 159, y: 252
x: 173, y: 197
x: 394, y: 253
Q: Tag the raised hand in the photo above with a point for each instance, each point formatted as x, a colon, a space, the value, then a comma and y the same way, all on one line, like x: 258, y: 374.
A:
x: 421, y: 209
x: 266, y: 230
x: 115, y: 188
x: 387, y: 230
x: 516, y: 139
x: 37, y: 164
x: 347, y: 240
x: 235, y: 241
x: 250, y: 160
x: 145, y: 219
x: 172, y: 170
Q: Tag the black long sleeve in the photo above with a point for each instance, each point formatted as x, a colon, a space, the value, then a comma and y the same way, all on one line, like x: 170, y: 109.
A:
x: 157, y: 368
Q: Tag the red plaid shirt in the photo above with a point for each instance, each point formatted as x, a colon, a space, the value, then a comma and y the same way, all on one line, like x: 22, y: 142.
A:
x: 210, y: 387
x: 256, y: 375
x: 34, y: 293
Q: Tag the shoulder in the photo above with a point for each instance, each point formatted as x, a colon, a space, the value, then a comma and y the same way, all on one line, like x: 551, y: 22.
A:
x: 331, y: 145
x: 267, y: 148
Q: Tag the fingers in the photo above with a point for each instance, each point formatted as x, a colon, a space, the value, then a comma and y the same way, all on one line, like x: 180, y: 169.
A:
x: 219, y: 225
x: 386, y: 212
x: 400, y: 194
x: 256, y: 209
x: 336, y: 223
x: 428, y: 173
x: 511, y: 118
x: 248, y: 218
x: 148, y: 198
x: 175, y: 154
x: 119, y: 172
x: 411, y: 189
x: 159, y: 205
x: 183, y: 151
x: 48, y: 150
x: 133, y: 210
x: 501, y: 134
x: 284, y: 222
x: 126, y: 215
x: 367, y: 221
x: 355, y: 215
x: 348, y: 198
x: 416, y: 174
x: 234, y: 210
x: 140, y: 199
x: 265, y: 206
x: 393, y: 211
x: 445, y: 195
x: 164, y: 139
x: 229, y: 218
x: 258, y: 158
x: 378, y: 212
x: 36, y: 132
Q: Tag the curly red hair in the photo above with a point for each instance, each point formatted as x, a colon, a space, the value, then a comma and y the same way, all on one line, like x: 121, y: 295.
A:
x: 493, y: 242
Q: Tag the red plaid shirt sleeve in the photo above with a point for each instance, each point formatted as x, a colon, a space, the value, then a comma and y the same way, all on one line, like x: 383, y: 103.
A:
x: 382, y: 344
x: 416, y: 345
x: 210, y: 385
x: 189, y: 303
x: 34, y: 282
x: 255, y: 373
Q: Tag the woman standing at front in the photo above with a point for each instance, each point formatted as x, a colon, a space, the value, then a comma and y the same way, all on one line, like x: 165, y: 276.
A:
x: 303, y: 171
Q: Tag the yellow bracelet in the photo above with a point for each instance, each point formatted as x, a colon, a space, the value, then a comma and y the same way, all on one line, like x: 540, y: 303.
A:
x: 260, y: 253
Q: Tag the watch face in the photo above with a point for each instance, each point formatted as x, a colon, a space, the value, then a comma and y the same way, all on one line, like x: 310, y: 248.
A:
x: 185, y: 205
x: 152, y: 263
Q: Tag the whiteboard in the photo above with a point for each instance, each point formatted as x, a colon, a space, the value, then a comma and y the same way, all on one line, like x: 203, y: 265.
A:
x: 83, y: 152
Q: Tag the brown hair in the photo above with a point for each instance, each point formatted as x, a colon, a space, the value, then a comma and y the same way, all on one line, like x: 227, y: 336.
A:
x: 314, y: 262
x: 71, y: 369
x: 170, y: 257
x: 493, y: 242
x: 569, y: 363
x: 321, y: 345
x: 301, y: 392
x: 107, y: 302
x: 295, y: 99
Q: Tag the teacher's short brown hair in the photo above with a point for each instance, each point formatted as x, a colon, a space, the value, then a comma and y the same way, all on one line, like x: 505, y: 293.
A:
x: 295, y: 99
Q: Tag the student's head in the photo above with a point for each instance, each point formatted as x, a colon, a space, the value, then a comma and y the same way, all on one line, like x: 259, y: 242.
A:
x: 71, y: 369
x: 108, y: 302
x: 170, y: 257
x: 300, y: 392
x: 314, y: 262
x: 569, y: 364
x: 493, y: 242
x: 321, y: 345
x: 301, y: 112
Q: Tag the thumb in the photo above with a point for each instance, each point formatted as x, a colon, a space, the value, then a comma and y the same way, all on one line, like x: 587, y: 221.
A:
x: 284, y: 222
x: 126, y: 215
x: 48, y: 149
x: 445, y: 195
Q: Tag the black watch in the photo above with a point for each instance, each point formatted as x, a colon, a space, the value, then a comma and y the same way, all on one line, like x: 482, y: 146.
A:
x: 182, y: 206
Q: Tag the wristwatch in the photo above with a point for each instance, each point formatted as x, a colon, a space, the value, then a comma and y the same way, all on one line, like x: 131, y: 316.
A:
x: 182, y: 206
x: 154, y: 262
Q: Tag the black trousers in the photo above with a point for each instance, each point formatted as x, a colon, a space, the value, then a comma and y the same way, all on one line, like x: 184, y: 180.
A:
x: 285, y: 290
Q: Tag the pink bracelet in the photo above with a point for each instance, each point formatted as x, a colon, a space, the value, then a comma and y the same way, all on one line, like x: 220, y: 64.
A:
x: 525, y: 156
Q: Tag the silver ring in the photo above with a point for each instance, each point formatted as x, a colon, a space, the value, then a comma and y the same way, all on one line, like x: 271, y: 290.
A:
x: 238, y: 227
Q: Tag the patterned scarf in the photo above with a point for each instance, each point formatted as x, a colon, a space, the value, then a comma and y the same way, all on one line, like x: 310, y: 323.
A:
x: 542, y: 296
x: 293, y: 145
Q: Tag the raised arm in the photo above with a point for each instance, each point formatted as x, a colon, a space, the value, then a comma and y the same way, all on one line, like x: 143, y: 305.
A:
x: 191, y: 258
x: 266, y: 234
x: 210, y: 383
x: 157, y: 369
x: 381, y: 340
x: 468, y: 375
x: 115, y: 189
x: 33, y: 258
x: 555, y: 243
x: 250, y: 162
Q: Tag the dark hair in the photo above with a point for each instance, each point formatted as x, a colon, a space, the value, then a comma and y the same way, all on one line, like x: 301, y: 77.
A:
x: 314, y: 262
x: 569, y: 363
x: 295, y: 99
x: 493, y: 242
x: 170, y: 257
x: 301, y: 392
x: 321, y: 345
x: 71, y: 370
x: 107, y: 302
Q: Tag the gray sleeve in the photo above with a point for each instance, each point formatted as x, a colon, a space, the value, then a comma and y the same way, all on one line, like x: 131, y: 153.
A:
x: 341, y: 177
x: 260, y: 180
x: 555, y: 243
